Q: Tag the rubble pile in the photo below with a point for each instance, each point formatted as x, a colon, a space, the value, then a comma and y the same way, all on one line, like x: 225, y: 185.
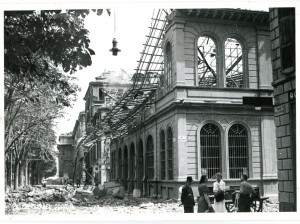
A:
x: 271, y: 206
x: 107, y: 198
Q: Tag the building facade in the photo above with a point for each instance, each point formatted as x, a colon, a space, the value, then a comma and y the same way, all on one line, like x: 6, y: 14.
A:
x: 213, y: 110
x: 282, y: 32
x: 91, y: 154
x: 65, y: 158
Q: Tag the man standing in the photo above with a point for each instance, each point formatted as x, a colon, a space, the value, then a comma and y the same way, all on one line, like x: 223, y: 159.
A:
x: 246, y: 190
x: 187, y: 196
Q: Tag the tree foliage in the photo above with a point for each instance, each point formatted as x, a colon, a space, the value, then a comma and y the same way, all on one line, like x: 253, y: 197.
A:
x: 41, y: 51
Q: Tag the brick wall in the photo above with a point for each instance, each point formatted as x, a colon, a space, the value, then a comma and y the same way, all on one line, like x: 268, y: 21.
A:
x: 284, y: 119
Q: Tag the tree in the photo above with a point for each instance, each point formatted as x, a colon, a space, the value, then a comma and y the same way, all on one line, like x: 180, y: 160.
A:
x: 37, y: 47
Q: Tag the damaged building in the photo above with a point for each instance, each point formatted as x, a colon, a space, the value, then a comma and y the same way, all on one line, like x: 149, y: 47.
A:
x: 201, y: 102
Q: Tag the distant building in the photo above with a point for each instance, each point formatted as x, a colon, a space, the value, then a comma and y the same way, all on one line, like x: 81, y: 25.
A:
x: 65, y: 159
x: 213, y: 111
x: 91, y: 155
x: 282, y: 32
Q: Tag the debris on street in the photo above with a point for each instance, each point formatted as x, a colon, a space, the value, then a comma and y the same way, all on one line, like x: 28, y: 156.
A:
x: 107, y: 198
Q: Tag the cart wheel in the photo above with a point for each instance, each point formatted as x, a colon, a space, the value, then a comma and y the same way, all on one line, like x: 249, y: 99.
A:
x: 254, y: 206
x: 230, y: 207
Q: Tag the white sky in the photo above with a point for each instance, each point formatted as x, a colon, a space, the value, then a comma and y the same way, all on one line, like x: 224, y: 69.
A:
x: 131, y: 28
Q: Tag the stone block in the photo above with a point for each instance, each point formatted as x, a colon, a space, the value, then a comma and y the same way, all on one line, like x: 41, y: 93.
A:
x: 280, y: 131
x: 272, y: 36
x: 287, y: 86
x: 278, y: 144
x: 284, y: 119
x: 280, y: 186
x: 291, y: 175
x: 286, y: 141
x: 279, y: 164
x: 287, y: 108
x: 287, y: 164
x: 293, y: 83
x: 283, y: 98
x: 286, y: 207
x: 288, y: 186
x: 277, y: 62
x: 292, y: 198
x: 275, y: 45
x: 282, y: 153
x: 275, y: 76
x: 289, y: 155
x: 277, y: 121
x: 278, y: 90
x: 284, y: 197
x: 276, y: 32
x: 275, y: 12
x: 283, y: 175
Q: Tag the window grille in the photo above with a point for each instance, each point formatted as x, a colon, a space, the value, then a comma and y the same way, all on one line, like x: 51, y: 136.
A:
x: 150, y: 158
x: 234, y: 63
x: 238, y: 151
x: 168, y: 66
x: 207, y: 62
x: 210, y: 149
x: 162, y: 155
x: 170, y: 154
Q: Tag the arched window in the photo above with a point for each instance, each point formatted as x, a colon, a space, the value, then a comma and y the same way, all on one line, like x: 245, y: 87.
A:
x: 120, y: 164
x: 163, y: 155
x: 168, y: 67
x: 113, y: 169
x: 234, y: 63
x: 132, y: 162
x: 210, y: 149
x: 140, y: 163
x: 125, y: 163
x: 238, y: 151
x: 207, y: 64
x: 150, y: 158
x: 170, y: 153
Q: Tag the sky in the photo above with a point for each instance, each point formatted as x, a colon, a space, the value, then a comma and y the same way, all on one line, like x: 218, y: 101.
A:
x: 130, y: 28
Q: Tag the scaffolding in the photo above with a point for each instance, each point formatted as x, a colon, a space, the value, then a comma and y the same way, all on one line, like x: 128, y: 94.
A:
x: 141, y: 95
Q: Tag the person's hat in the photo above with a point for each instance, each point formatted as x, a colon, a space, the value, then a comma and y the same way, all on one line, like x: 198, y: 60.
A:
x: 189, y: 179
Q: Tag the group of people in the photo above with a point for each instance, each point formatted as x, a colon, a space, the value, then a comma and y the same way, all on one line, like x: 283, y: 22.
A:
x: 204, y: 203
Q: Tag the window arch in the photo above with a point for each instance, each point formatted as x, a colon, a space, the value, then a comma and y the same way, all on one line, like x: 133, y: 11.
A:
x: 207, y: 61
x: 168, y: 67
x: 150, y: 158
x: 234, y: 63
x: 210, y: 149
x: 163, y: 154
x: 170, y: 153
x: 238, y: 151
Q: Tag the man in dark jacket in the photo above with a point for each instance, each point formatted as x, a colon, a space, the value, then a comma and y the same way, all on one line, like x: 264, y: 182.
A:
x: 187, y: 196
x: 246, y: 191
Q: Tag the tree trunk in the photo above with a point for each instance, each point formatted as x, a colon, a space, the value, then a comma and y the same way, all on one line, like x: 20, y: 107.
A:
x: 16, y: 175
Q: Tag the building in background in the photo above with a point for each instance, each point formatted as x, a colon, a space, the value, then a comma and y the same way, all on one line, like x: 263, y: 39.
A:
x: 85, y: 148
x: 282, y: 32
x: 65, y: 158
